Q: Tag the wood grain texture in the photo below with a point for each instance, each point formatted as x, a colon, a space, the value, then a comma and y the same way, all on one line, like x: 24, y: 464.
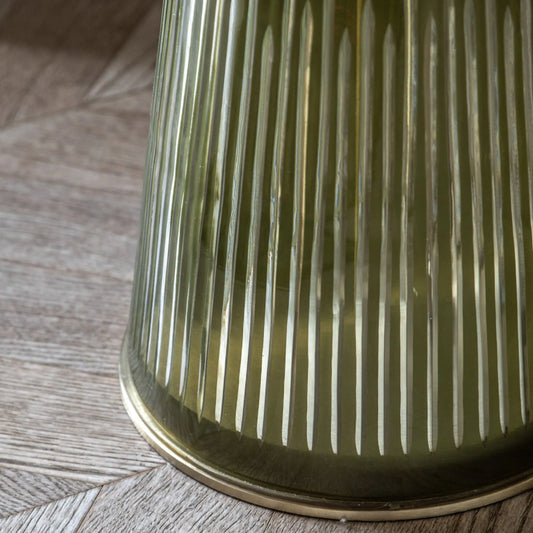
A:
x: 69, y: 423
x: 164, y: 499
x: 52, y: 51
x: 62, y: 516
x: 74, y: 105
x: 22, y: 490
x: 91, y: 226
x: 83, y: 138
x: 133, y: 66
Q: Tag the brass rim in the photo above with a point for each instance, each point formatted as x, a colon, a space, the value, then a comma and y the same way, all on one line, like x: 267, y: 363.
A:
x: 244, y: 490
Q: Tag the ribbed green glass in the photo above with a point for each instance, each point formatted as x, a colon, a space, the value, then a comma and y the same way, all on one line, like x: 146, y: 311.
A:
x: 333, y: 288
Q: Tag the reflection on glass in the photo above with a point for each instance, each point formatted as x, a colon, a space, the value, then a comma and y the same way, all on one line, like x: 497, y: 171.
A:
x: 335, y: 260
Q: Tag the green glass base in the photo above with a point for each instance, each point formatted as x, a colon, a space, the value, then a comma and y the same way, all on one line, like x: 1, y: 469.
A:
x: 267, y: 496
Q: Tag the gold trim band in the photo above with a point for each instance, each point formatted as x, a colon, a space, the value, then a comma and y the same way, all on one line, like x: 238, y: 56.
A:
x: 169, y: 448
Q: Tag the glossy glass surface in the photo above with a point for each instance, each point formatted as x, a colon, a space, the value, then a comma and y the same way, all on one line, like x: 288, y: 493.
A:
x: 333, y: 287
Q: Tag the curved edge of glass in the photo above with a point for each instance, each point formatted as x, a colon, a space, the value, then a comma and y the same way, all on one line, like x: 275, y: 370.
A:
x: 152, y: 431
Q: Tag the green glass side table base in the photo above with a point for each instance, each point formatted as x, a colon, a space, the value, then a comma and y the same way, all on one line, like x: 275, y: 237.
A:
x: 252, y: 492
x: 332, y: 303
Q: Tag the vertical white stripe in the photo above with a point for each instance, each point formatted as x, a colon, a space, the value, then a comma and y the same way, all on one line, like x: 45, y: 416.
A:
x: 275, y: 195
x: 339, y: 230
x: 406, y: 242
x: 233, y: 230
x: 255, y: 224
x: 432, y: 245
x: 455, y: 242
x: 298, y: 215
x: 363, y: 216
x: 518, y: 235
x: 497, y: 212
x: 315, y: 290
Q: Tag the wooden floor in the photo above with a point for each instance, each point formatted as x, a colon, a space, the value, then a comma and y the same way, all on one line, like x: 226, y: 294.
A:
x: 75, y: 88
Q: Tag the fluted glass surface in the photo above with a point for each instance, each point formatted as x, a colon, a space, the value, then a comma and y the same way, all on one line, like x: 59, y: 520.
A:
x: 334, y: 280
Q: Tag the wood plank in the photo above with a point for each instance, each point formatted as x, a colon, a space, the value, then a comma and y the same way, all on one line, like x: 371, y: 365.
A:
x: 52, y: 51
x: 20, y: 197
x: 49, y: 170
x: 86, y: 345
x: 23, y: 490
x: 85, y: 214
x: 165, y: 499
x: 29, y: 37
x: 62, y: 515
x: 75, y: 320
x: 91, y: 140
x: 513, y: 514
x: 68, y: 423
x: 138, y: 101
x: 63, y: 294
x: 97, y: 238
x: 134, y: 64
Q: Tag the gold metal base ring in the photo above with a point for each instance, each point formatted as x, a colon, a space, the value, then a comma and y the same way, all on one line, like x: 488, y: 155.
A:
x: 269, y: 497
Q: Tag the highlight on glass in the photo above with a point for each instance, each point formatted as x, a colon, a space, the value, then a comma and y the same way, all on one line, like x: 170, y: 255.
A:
x: 332, y: 304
